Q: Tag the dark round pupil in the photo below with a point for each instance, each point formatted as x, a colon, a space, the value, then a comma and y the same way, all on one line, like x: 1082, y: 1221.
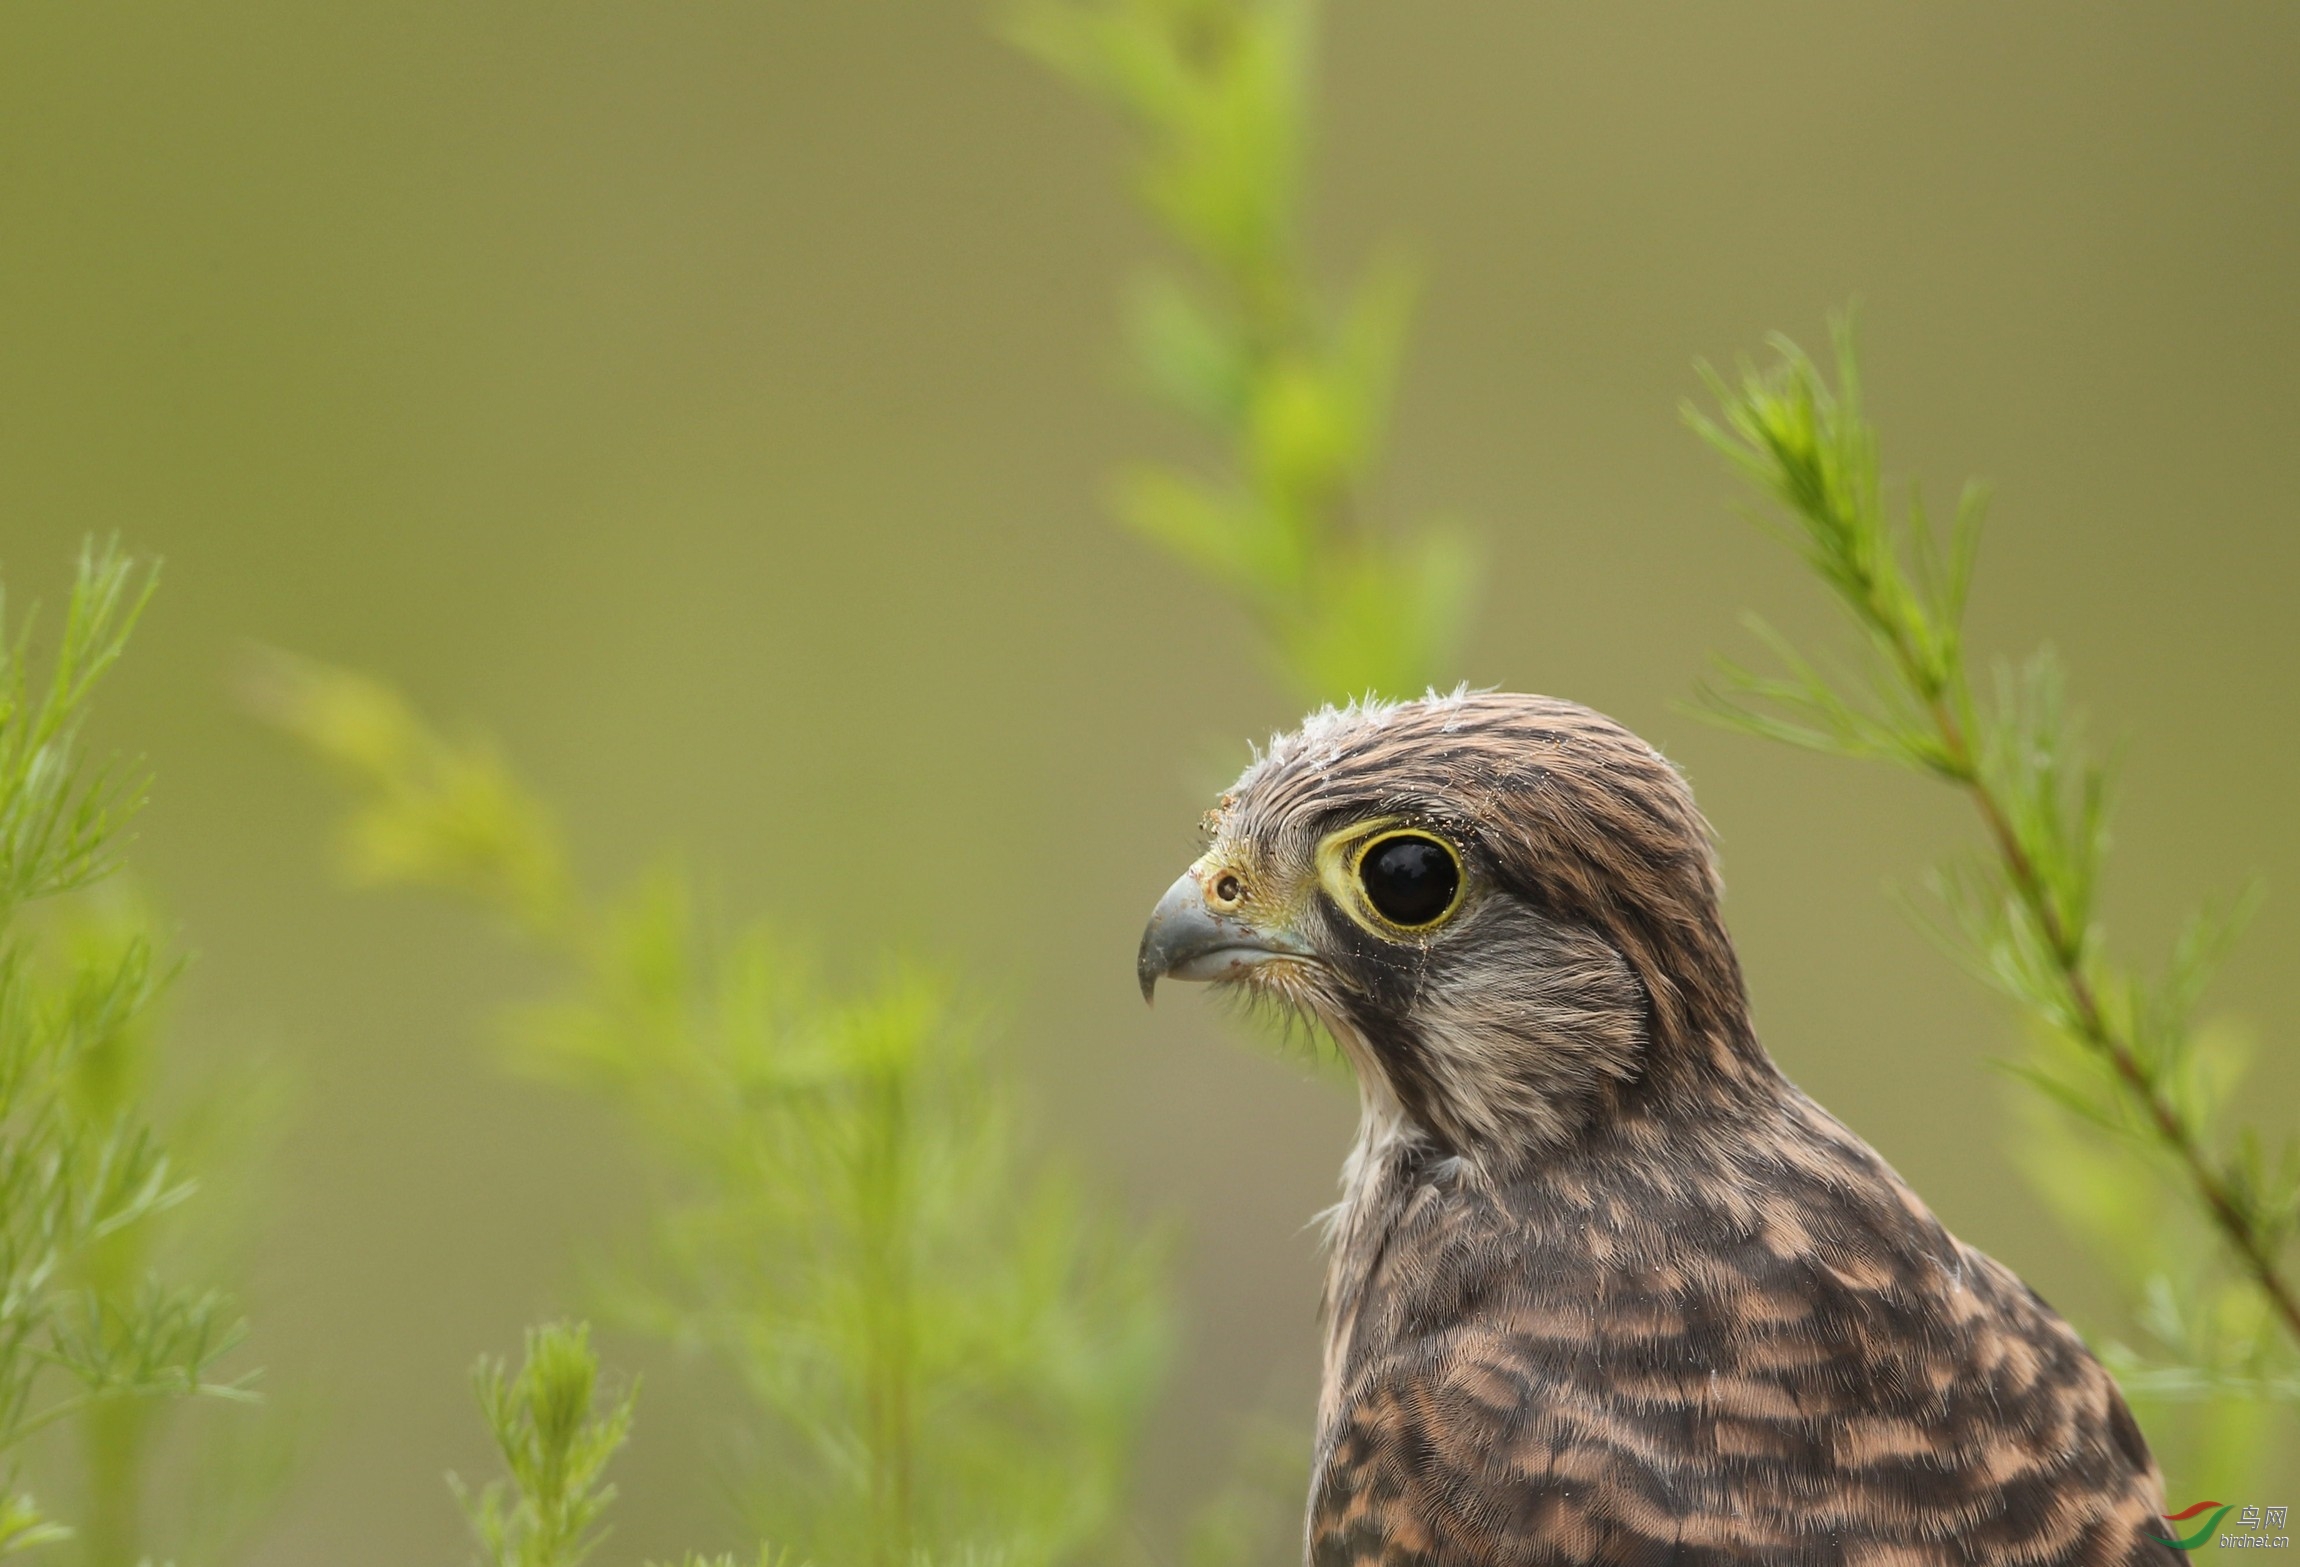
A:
x: 1410, y: 881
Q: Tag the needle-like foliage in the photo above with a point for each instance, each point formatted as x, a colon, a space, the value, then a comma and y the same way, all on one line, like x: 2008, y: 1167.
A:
x: 556, y: 1430
x: 2142, y: 1094
x: 92, y: 1340
x: 948, y: 1347
x: 150, y: 1470
x: 1246, y: 345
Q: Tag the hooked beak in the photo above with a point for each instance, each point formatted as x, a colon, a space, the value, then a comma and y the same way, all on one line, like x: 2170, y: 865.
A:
x: 1187, y: 939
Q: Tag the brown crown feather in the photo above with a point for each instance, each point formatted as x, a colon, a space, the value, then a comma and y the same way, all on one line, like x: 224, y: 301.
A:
x: 1568, y: 809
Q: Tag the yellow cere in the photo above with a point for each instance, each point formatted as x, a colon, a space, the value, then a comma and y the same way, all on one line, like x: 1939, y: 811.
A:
x: 1269, y: 896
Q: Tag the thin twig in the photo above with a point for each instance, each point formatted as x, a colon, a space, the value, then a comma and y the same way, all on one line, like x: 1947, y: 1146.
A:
x: 1787, y: 432
x: 2093, y: 1028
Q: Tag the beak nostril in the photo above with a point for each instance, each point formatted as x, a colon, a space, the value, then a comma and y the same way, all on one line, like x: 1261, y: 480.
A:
x: 1197, y: 932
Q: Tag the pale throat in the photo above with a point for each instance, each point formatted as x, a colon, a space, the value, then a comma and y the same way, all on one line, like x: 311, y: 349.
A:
x: 1352, y: 1224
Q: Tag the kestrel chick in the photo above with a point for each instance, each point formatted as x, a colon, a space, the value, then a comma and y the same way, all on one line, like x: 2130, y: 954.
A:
x: 1603, y: 1285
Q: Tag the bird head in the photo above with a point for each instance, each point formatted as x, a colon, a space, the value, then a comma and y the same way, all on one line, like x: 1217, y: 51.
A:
x: 1503, y: 908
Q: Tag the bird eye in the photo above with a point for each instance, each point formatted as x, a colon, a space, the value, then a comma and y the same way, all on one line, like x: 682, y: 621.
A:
x: 1411, y: 880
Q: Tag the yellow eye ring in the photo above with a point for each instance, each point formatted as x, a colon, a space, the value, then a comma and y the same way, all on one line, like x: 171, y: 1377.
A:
x: 1392, y: 878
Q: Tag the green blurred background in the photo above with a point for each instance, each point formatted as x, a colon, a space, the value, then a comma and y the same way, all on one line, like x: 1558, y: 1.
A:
x: 715, y: 402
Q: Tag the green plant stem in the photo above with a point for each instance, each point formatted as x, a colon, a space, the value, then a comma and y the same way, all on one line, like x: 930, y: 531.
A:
x: 890, y: 1355
x: 2093, y: 1026
x: 1296, y: 390
x: 948, y: 1348
x: 2027, y: 919
x: 1940, y: 686
x: 116, y: 1436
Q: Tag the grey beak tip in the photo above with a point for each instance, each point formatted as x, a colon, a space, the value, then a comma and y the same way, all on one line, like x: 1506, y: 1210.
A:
x: 1149, y: 965
x: 1187, y: 940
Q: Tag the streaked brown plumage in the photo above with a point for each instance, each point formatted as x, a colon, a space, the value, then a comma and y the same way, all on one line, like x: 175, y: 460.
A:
x: 1603, y: 1285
